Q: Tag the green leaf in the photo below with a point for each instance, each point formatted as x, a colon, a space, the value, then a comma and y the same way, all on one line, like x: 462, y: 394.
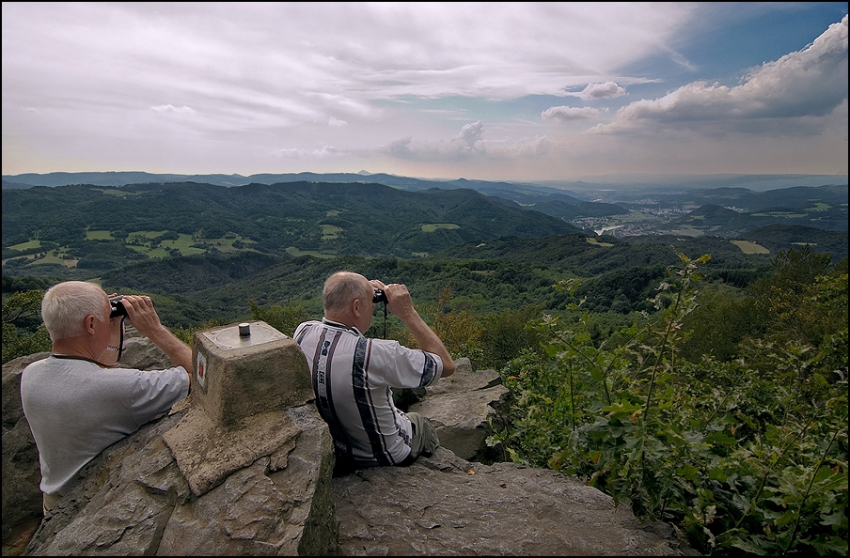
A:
x: 688, y: 472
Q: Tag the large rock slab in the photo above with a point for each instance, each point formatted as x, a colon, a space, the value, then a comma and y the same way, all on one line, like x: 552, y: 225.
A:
x: 443, y: 505
x: 21, y: 474
x: 464, y: 409
x: 134, y: 500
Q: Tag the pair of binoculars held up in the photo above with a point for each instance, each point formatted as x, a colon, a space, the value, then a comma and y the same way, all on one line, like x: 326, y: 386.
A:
x: 117, y: 307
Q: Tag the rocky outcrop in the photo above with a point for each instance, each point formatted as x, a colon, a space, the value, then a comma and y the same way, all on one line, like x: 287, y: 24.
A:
x: 135, y: 501
x: 21, y: 497
x: 191, y: 485
x: 444, y: 505
x: 465, y: 408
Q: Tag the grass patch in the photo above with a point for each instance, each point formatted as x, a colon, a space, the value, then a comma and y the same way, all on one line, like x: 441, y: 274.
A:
x: 330, y: 232
x: 144, y: 236
x: 30, y: 244
x: 687, y: 231
x: 99, y: 235
x: 434, y: 226
x: 183, y: 244
x: 748, y: 247
x: 293, y: 251
x: 597, y: 243
x: 785, y: 214
x: 118, y: 193
x: 819, y: 207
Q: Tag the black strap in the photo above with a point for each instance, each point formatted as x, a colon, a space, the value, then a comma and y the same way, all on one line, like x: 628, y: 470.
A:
x: 121, y: 345
x: 385, y: 320
x: 74, y: 357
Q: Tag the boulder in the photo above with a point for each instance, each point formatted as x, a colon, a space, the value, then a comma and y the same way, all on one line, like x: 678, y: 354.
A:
x: 21, y: 498
x: 134, y: 500
x: 444, y: 505
x: 465, y: 408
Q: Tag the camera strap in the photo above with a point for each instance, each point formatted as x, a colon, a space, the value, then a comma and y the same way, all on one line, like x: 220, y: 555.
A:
x: 121, y: 345
x: 385, y: 320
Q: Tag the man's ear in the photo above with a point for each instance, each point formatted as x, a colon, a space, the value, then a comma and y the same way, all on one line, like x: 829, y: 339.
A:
x: 89, y: 324
x: 356, y: 308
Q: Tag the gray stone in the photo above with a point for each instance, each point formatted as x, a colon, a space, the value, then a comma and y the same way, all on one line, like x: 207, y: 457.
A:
x: 443, y: 505
x: 464, y: 409
x: 133, y: 500
x: 21, y: 498
x: 141, y: 354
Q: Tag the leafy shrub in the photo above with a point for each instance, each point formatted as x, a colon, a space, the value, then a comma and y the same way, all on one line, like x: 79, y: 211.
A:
x: 23, y: 332
x: 746, y: 455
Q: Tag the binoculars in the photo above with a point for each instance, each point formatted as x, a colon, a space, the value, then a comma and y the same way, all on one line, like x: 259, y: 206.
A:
x: 117, y: 307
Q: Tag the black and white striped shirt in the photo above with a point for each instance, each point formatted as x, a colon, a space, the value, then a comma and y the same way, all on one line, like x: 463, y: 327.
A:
x: 352, y: 379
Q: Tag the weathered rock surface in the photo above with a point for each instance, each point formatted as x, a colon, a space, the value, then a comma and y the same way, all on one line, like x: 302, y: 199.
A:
x: 184, y: 486
x: 21, y: 497
x: 444, y: 505
x: 464, y: 408
x: 133, y: 500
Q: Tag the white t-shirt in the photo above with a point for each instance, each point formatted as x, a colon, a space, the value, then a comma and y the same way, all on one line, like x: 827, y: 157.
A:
x: 76, y: 409
x: 352, y: 379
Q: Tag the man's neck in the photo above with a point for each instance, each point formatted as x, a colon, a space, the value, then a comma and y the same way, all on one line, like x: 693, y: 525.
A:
x: 340, y: 323
x: 73, y: 347
x: 341, y: 320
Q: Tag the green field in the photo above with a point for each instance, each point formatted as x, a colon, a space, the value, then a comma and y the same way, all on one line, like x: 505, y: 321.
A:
x: 784, y: 214
x: 433, y: 227
x: 99, y: 235
x: 330, y: 232
x: 26, y: 245
x: 119, y: 193
x: 748, y: 247
x: 293, y: 251
x: 142, y: 242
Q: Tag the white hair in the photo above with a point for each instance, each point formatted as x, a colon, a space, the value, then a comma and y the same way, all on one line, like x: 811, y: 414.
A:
x: 66, y: 305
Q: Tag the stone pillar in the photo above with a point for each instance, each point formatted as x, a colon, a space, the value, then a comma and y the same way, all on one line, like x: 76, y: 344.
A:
x: 246, y: 369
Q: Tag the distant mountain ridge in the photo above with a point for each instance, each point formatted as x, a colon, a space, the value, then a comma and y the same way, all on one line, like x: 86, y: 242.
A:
x: 585, y: 190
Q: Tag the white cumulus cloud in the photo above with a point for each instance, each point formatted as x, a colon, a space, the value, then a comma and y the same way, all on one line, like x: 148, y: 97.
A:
x: 569, y: 114
x: 593, y: 91
x: 786, y: 94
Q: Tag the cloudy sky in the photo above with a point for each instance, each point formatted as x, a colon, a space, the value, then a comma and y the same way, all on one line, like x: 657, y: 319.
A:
x: 512, y: 91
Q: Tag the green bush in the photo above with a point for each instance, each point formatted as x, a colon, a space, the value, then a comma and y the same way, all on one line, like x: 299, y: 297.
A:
x: 740, y: 456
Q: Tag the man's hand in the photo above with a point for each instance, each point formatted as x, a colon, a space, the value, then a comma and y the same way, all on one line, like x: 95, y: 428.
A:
x: 401, y: 305
x: 141, y: 313
x: 144, y: 318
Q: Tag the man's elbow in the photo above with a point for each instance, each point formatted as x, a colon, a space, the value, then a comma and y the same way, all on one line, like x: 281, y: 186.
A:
x: 448, y: 368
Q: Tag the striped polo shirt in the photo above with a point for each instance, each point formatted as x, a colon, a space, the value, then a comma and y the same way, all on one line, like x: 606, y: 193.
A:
x: 352, y: 380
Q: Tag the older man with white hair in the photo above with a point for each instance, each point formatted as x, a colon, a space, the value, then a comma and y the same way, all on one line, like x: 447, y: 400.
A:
x: 77, y: 401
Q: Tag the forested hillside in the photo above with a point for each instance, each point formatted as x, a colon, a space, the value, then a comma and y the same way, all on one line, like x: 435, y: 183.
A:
x: 98, y: 229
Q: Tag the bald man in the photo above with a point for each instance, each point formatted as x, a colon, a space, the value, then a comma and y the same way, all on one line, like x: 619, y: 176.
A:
x: 353, y: 376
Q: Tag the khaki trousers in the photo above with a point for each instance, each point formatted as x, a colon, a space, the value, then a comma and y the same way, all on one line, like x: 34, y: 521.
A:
x: 49, y: 501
